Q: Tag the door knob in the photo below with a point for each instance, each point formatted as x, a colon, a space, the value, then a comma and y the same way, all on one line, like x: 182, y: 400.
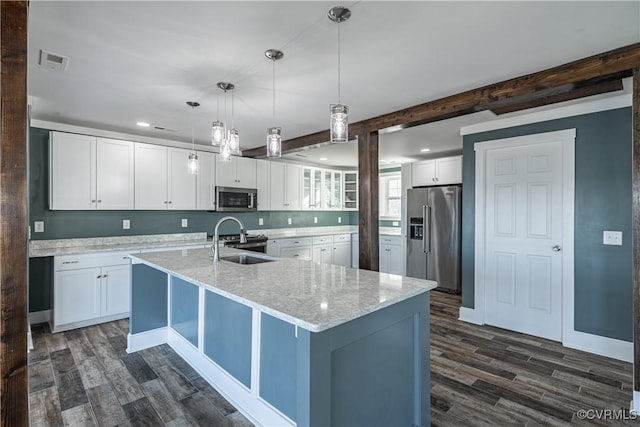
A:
x: 556, y: 248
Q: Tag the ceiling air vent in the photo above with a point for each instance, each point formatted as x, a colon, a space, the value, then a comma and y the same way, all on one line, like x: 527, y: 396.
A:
x: 164, y: 129
x: 53, y: 61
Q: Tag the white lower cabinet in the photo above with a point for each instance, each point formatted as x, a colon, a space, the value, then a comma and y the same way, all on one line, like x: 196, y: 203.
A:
x: 273, y: 248
x: 355, y: 250
x: 391, y: 255
x: 342, y: 254
x: 299, y: 248
x: 323, y: 253
x: 90, y: 289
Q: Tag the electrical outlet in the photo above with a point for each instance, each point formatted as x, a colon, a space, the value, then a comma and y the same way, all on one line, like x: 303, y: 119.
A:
x: 38, y: 227
x: 260, y: 221
x: 339, y: 220
x: 395, y: 223
x: 315, y: 219
x: 612, y: 238
x: 185, y: 222
x: 289, y: 221
x: 126, y: 224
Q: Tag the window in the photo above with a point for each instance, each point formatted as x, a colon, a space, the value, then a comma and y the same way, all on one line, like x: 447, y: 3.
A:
x: 390, y: 195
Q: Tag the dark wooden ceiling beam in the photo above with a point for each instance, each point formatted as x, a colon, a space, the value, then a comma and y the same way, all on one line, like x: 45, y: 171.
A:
x: 600, y: 66
x: 568, y: 94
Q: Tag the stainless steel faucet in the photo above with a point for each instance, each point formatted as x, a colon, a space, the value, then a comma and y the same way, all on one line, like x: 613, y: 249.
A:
x: 216, y: 236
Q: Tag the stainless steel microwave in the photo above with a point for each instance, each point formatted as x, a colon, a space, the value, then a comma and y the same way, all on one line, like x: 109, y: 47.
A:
x: 230, y: 199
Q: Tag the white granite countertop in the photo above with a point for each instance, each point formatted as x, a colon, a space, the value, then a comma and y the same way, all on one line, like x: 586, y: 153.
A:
x: 56, y: 247
x: 312, y: 296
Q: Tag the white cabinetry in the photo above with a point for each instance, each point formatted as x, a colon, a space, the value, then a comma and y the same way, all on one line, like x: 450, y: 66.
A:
x: 391, y: 255
x: 238, y: 172
x: 323, y: 249
x: 263, y: 184
x: 296, y: 248
x: 355, y: 250
x: 444, y: 171
x: 311, y: 188
x: 273, y: 248
x: 350, y: 200
x: 342, y: 250
x: 285, y: 186
x: 90, y: 289
x: 161, y: 178
x: 206, y: 182
x: 88, y: 173
x: 331, y: 190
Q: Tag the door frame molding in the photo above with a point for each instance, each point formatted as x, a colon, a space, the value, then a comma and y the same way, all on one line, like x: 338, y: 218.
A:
x: 567, y: 139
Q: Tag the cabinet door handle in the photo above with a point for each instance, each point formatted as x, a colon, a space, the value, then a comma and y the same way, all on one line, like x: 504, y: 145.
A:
x: 99, y: 201
x: 98, y: 277
x: 93, y: 201
x: 169, y: 201
x: 105, y: 275
x: 165, y: 202
x: 70, y: 262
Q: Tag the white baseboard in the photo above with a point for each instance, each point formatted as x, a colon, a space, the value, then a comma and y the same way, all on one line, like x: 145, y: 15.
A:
x: 142, y: 340
x: 609, y: 347
x: 36, y: 317
x: 635, y: 403
x: 470, y: 315
x: 245, y: 400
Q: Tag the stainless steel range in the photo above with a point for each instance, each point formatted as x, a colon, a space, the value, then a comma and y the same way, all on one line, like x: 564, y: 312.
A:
x: 255, y: 243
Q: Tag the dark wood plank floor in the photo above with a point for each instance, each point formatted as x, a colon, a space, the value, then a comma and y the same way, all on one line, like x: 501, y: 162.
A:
x: 480, y: 376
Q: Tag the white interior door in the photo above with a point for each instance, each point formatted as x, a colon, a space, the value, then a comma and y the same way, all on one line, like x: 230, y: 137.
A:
x: 523, y: 225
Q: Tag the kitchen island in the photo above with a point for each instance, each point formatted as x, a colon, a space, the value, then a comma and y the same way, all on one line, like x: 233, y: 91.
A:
x: 291, y: 342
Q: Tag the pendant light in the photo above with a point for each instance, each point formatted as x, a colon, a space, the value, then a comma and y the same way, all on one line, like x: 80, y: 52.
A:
x: 274, y: 134
x: 233, y: 136
x: 339, y: 113
x: 217, y: 128
x: 225, y: 144
x: 193, y: 164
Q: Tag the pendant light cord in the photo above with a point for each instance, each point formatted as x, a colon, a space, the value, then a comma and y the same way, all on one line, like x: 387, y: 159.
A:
x: 193, y: 140
x: 232, y: 126
x: 274, y: 91
x: 339, y: 63
x: 218, y: 107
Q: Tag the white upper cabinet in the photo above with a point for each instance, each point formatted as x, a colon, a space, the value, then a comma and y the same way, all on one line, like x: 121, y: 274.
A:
x: 292, y: 187
x: 331, y: 190
x: 263, y: 184
x: 151, y: 177
x: 350, y: 200
x: 284, y: 186
x: 88, y: 173
x: 206, y: 182
x: 311, y: 188
x: 114, y: 174
x: 181, y: 186
x: 162, y: 180
x: 238, y: 172
x: 444, y: 171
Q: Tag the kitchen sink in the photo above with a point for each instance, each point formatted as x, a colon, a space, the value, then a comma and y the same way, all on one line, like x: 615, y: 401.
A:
x: 246, y: 259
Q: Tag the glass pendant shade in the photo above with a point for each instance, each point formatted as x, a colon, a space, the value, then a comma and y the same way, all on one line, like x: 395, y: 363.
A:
x: 274, y: 142
x: 217, y: 132
x: 339, y: 123
x: 193, y: 165
x: 225, y: 151
x: 233, y: 140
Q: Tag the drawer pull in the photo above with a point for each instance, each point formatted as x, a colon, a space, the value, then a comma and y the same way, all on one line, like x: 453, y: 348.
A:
x: 70, y: 262
x: 295, y: 255
x: 126, y: 257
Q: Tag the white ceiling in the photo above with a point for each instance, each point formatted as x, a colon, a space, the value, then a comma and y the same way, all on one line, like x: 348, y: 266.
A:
x: 133, y: 61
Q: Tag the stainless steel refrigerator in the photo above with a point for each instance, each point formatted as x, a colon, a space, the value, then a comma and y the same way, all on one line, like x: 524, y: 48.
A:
x: 434, y: 238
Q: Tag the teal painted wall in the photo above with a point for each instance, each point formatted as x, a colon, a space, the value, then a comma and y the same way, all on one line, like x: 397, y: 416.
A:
x: 603, y: 197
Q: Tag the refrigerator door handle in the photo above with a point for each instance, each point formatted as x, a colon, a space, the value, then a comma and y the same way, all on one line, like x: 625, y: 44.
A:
x: 428, y: 227
x: 424, y: 228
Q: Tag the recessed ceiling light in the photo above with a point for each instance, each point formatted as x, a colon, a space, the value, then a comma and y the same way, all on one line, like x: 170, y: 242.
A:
x: 143, y: 124
x: 424, y: 150
x: 323, y: 158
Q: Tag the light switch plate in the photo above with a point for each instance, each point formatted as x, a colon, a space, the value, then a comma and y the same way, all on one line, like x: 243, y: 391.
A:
x: 185, y: 222
x: 612, y: 238
x: 260, y: 221
x: 289, y: 221
x: 38, y: 227
x: 126, y: 224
